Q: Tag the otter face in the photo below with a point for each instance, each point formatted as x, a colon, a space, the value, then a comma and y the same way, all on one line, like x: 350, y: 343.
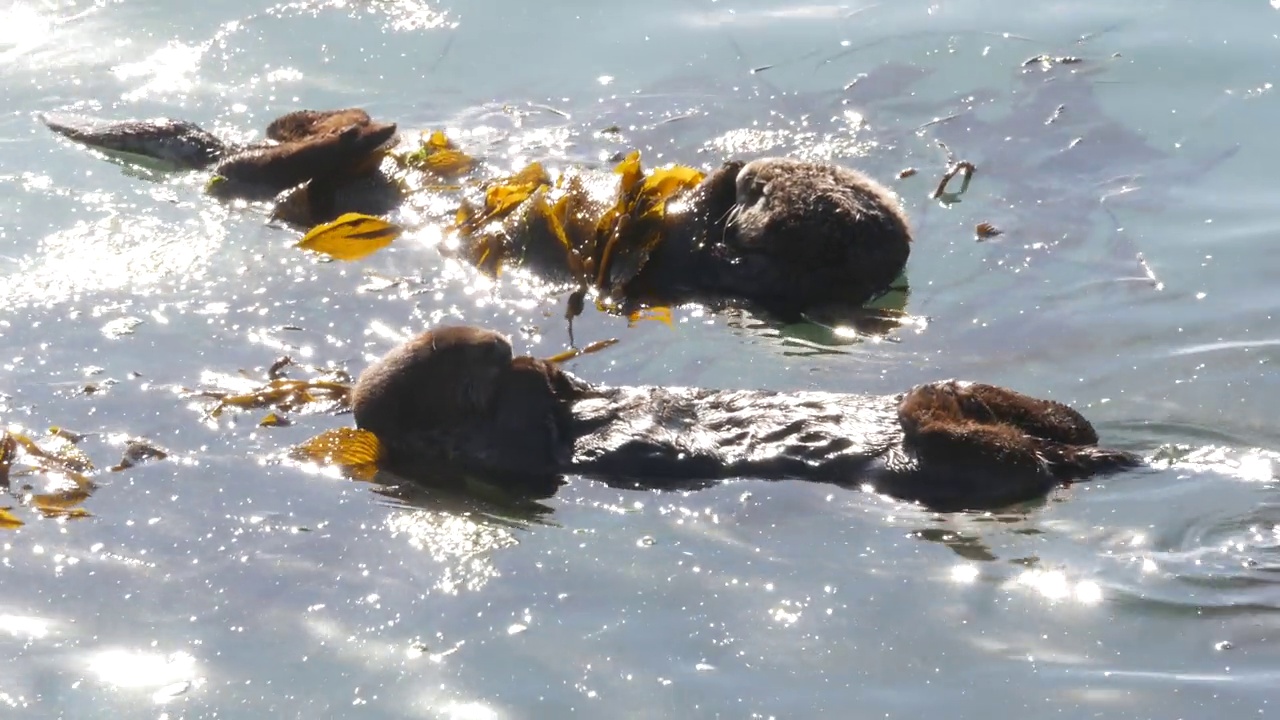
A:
x: 809, y: 232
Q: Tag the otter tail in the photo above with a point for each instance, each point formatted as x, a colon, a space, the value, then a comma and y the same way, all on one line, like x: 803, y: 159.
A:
x: 176, y: 142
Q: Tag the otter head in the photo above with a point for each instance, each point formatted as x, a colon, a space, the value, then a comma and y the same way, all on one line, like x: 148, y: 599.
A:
x: 528, y: 428
x: 302, y: 124
x: 805, y: 233
x: 441, y: 380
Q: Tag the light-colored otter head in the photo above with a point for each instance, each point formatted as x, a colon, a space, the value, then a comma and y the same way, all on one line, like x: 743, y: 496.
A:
x: 443, y: 379
x: 811, y: 232
x: 303, y: 124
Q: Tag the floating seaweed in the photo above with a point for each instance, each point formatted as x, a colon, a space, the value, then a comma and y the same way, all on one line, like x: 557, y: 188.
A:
x: 350, y: 237
x: 328, y: 391
x: 600, y: 245
x: 66, y: 469
x: 437, y: 155
x: 355, y: 451
x: 965, y: 168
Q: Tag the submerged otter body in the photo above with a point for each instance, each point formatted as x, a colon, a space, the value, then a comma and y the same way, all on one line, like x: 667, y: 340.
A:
x: 302, y: 146
x: 459, y: 394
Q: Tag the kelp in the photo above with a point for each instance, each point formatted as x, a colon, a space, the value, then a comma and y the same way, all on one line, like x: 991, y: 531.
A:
x: 281, y: 394
x: 328, y: 390
x: 598, y: 244
x: 138, y: 451
x: 356, y: 451
x: 600, y: 247
x: 65, y: 466
x: 964, y: 168
x: 436, y: 155
x: 629, y: 232
x: 571, y: 353
x: 350, y: 237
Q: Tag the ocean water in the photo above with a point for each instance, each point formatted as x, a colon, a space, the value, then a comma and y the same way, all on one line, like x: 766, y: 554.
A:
x: 1133, y: 279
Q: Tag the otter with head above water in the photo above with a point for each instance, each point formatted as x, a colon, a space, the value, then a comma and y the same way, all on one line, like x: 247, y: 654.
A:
x: 460, y: 394
x: 789, y: 235
x: 303, y: 146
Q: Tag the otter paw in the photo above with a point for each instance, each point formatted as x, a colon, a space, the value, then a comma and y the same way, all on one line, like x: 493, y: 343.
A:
x: 1040, y: 418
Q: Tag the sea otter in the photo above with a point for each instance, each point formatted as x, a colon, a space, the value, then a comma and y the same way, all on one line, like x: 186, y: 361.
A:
x: 789, y: 235
x: 326, y: 147
x: 459, y: 394
x: 785, y: 234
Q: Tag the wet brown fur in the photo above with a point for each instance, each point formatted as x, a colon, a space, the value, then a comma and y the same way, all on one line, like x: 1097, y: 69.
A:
x: 458, y: 392
x: 434, y: 382
x: 334, y: 155
x: 788, y: 234
x: 303, y: 124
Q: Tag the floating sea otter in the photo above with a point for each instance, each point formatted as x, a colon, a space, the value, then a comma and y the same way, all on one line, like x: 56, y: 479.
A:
x: 302, y: 147
x: 459, y: 394
x: 786, y: 234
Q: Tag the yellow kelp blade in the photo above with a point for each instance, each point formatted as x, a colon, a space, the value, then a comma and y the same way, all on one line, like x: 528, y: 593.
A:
x: 546, y: 236
x: 501, y: 198
x: 577, y: 217
x: 274, y: 420
x: 346, y: 447
x: 629, y: 249
x: 8, y: 521
x: 438, y: 156
x: 8, y: 451
x: 62, y: 504
x: 630, y: 171
x: 64, y: 457
x: 662, y: 314
x: 282, y: 394
x: 662, y: 184
x: 351, y: 236
x: 572, y: 353
x: 504, y: 195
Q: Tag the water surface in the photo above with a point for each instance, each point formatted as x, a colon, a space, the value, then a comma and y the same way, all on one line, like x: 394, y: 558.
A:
x: 1134, y: 279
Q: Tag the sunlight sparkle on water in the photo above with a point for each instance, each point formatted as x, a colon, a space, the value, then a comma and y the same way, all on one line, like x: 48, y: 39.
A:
x: 110, y: 253
x: 461, y: 546
x: 171, y: 69
x: 33, y: 628
x: 140, y: 669
x: 1054, y: 585
x: 23, y: 29
x: 470, y: 711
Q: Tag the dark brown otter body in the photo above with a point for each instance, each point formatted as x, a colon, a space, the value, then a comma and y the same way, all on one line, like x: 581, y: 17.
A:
x: 325, y: 147
x: 459, y: 394
x: 329, y: 159
x: 789, y: 235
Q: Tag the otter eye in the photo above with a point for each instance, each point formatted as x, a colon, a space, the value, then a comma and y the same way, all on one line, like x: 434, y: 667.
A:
x: 750, y: 189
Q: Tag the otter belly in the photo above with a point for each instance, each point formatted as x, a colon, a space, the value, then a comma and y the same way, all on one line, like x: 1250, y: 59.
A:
x: 661, y: 436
